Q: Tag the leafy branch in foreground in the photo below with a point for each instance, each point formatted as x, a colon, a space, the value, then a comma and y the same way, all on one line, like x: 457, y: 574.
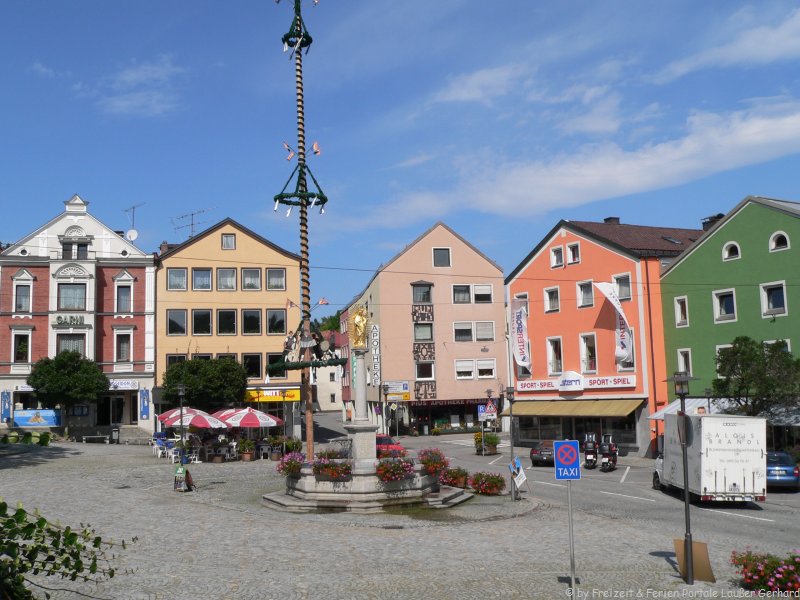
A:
x: 31, y: 545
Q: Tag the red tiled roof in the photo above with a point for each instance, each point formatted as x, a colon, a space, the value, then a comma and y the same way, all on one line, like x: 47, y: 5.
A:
x: 643, y: 239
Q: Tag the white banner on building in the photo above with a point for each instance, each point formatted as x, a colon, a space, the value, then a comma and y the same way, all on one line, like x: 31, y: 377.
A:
x: 623, y: 348
x: 519, y: 335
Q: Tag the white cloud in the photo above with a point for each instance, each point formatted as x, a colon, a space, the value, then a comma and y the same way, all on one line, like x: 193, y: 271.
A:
x: 42, y: 70
x: 601, y: 116
x: 418, y: 159
x: 757, y: 46
x: 145, y: 89
x: 146, y: 103
x: 480, y: 86
x: 146, y: 74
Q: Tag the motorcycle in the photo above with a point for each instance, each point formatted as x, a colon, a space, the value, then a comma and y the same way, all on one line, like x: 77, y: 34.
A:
x: 608, y: 453
x: 590, y: 450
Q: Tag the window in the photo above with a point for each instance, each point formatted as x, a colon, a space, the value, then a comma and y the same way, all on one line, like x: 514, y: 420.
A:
x: 203, y: 356
x: 122, y: 347
x: 423, y: 332
x: 588, y: 353
x: 462, y: 294
x: 201, y: 322
x: 276, y: 321
x: 556, y: 257
x: 551, y: 300
x: 252, y: 365
x: 441, y: 257
x: 332, y: 377
x: 251, y: 279
x: 71, y: 342
x: 486, y: 368
x: 201, y: 279
x: 778, y: 241
x: 226, y: 322
x: 484, y: 331
x: 273, y: 359
x: 333, y: 398
x: 773, y: 299
x: 176, y: 322
x: 421, y: 293
x: 585, y: 294
x: 72, y: 250
x: 681, y: 311
x: 71, y: 296
x: 465, y: 369
x: 724, y: 305
x: 276, y: 279
x: 226, y: 279
x: 424, y: 370
x: 227, y: 356
x: 22, y: 347
x: 685, y: 360
x: 630, y: 364
x: 251, y: 321
x: 22, y: 298
x: 229, y: 241
x: 483, y: 294
x: 173, y: 359
x: 124, y: 303
x: 730, y: 251
x: 717, y: 356
x: 176, y: 279
x: 623, y: 285
x: 462, y: 331
x: 573, y: 253
x: 554, y: 356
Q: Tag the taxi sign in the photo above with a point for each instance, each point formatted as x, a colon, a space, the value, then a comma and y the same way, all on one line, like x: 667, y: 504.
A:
x: 566, y: 455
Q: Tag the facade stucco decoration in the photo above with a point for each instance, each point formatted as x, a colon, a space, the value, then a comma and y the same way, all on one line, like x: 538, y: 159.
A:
x: 71, y: 271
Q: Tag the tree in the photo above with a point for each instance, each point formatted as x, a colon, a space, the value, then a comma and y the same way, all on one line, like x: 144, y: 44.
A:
x: 757, y: 379
x: 329, y: 323
x: 67, y: 379
x: 208, y: 383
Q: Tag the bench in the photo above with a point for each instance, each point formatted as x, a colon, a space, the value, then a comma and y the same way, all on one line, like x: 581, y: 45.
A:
x: 95, y: 438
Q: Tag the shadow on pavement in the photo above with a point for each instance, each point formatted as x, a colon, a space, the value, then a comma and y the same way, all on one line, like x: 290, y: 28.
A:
x: 16, y: 456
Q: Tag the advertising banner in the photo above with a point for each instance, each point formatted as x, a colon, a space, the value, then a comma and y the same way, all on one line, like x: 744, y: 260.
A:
x: 519, y: 337
x: 623, y: 344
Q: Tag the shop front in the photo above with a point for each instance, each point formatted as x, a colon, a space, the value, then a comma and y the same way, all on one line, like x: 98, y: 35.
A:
x: 283, y: 403
x: 430, y: 417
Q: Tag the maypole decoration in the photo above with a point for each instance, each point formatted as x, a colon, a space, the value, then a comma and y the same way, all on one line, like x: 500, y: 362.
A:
x: 295, y: 41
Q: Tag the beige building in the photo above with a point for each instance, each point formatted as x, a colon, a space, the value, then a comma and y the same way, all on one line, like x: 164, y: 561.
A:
x: 437, y: 335
x: 230, y: 292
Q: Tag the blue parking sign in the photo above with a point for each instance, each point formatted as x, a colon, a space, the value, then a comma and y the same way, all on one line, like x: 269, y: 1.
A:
x: 566, y: 455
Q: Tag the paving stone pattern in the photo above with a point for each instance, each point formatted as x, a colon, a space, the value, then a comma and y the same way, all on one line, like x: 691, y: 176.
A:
x: 219, y: 542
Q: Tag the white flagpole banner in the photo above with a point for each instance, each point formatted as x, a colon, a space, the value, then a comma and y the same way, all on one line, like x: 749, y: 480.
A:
x: 519, y: 336
x: 624, y: 344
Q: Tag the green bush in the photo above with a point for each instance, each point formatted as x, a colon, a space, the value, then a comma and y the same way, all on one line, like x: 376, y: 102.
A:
x: 27, y: 438
x: 4, y: 439
x: 44, y: 439
x: 492, y: 439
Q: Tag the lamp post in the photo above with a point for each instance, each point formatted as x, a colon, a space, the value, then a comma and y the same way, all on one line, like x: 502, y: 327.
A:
x: 385, y: 390
x: 709, y: 393
x: 483, y: 423
x: 681, y: 381
x: 510, y: 397
x: 181, y: 394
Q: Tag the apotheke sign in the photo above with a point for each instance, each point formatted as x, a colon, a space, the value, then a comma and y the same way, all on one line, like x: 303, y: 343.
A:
x: 575, y: 382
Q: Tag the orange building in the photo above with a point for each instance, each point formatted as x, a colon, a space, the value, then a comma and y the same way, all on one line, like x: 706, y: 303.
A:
x: 586, y: 331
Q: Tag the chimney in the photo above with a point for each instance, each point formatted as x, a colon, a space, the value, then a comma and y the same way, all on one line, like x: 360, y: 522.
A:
x: 162, y: 249
x: 611, y: 220
x: 709, y: 222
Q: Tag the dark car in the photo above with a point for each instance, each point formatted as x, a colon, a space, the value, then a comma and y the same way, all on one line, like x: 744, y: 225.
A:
x: 782, y: 471
x: 385, y: 445
x: 542, y: 453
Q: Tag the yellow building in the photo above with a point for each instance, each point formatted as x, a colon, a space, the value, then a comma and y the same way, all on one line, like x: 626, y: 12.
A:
x: 230, y: 292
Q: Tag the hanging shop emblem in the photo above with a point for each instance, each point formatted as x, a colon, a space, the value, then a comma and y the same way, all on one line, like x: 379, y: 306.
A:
x: 375, y: 348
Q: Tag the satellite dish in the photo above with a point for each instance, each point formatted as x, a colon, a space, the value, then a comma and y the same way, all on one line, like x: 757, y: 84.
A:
x: 131, y: 235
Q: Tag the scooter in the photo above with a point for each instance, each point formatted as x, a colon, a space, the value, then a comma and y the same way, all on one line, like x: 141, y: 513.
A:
x: 590, y: 450
x: 608, y: 454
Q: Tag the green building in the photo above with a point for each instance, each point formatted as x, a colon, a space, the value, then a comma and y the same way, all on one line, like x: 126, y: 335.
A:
x: 740, y: 278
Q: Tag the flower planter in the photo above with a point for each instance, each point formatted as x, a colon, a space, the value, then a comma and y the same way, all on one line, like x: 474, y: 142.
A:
x: 217, y: 458
x: 460, y: 482
x: 275, y: 455
x: 246, y: 456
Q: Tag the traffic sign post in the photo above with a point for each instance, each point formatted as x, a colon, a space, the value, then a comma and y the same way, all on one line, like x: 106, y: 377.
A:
x: 566, y: 456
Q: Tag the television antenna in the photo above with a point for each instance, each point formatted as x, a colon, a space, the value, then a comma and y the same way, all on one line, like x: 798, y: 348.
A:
x: 132, y: 234
x: 191, y: 218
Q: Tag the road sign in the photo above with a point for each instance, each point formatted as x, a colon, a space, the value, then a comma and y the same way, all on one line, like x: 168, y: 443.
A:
x: 566, y: 455
x: 481, y: 412
x: 491, y: 409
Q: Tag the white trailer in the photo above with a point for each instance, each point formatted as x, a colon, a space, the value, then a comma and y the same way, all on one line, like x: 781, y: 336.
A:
x: 726, y: 455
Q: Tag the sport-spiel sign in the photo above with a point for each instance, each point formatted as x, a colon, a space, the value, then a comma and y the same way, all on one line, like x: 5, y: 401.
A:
x: 566, y: 455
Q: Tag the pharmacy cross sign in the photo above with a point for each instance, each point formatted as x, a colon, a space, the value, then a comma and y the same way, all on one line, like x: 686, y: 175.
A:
x: 566, y: 460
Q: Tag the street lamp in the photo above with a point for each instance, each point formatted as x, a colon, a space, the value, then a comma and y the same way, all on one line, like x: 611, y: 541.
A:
x: 181, y: 394
x: 385, y: 389
x: 483, y: 434
x: 709, y: 393
x: 510, y: 397
x: 681, y: 381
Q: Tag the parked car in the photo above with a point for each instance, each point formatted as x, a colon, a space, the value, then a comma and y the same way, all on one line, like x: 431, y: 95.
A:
x: 386, y: 444
x: 782, y: 471
x: 542, y: 453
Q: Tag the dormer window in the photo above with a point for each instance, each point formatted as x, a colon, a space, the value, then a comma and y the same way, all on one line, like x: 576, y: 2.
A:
x: 778, y: 241
x: 730, y: 251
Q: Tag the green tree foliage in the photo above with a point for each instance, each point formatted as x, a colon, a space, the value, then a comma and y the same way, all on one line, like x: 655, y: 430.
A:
x: 67, y: 379
x: 31, y: 545
x: 329, y: 323
x: 208, y: 383
x: 757, y: 379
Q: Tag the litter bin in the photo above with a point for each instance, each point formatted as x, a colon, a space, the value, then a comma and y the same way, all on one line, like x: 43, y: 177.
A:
x: 115, y: 435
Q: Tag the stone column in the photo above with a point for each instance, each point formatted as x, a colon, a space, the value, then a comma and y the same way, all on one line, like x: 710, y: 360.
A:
x: 361, y: 431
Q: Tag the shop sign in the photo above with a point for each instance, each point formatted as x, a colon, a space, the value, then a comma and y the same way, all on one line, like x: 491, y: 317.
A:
x: 589, y: 383
x: 398, y: 391
x: 375, y: 348
x: 69, y: 320
x: 123, y: 384
x: 273, y: 395
x: 570, y: 381
x: 446, y: 402
x: 39, y: 417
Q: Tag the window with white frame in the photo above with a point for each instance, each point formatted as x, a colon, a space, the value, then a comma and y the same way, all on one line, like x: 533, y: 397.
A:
x: 588, y: 353
x: 573, y: 253
x: 556, y: 257
x: 251, y: 279
x: 681, y: 311
x: 176, y: 279
x: 71, y: 296
x: 486, y: 368
x: 482, y: 293
x: 462, y: 294
x: 22, y: 347
x: 201, y: 279
x: 71, y: 342
x: 484, y: 331
x: 465, y: 369
x: 421, y: 293
x: 22, y: 297
x: 622, y: 283
x: 778, y: 241
x: 123, y: 345
x: 423, y: 371
x: 720, y: 348
x: 423, y: 332
x: 176, y: 322
x: 251, y: 321
x: 226, y: 321
x: 462, y: 331
x: 773, y: 299
x: 174, y: 359
x: 554, y: 360
x: 585, y: 294
x: 724, y: 305
x: 201, y: 321
x: 276, y: 321
x: 630, y: 363
x: 226, y: 280
x: 123, y: 296
x: 685, y: 360
x: 276, y: 279
x: 552, y: 302
x: 441, y: 257
x: 228, y: 356
x: 730, y: 251
x: 229, y: 241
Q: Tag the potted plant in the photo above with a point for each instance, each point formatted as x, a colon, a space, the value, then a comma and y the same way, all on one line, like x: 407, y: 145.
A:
x: 491, y: 440
x: 478, y: 439
x: 293, y: 444
x: 433, y: 460
x: 291, y: 464
x: 454, y: 477
x: 394, y: 469
x: 218, y: 455
x: 332, y: 469
x: 247, y: 449
x: 489, y: 484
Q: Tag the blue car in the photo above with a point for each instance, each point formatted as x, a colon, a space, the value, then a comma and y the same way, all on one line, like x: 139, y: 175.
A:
x: 782, y: 471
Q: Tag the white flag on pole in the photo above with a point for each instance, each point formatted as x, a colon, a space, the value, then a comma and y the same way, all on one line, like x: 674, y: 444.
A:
x: 519, y: 335
x: 624, y: 348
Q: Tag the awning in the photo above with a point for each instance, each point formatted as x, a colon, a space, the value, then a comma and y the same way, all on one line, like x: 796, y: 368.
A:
x: 273, y: 395
x: 711, y: 406
x: 574, y: 408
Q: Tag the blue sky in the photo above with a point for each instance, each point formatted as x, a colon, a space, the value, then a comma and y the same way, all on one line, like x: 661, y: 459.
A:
x: 497, y: 118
